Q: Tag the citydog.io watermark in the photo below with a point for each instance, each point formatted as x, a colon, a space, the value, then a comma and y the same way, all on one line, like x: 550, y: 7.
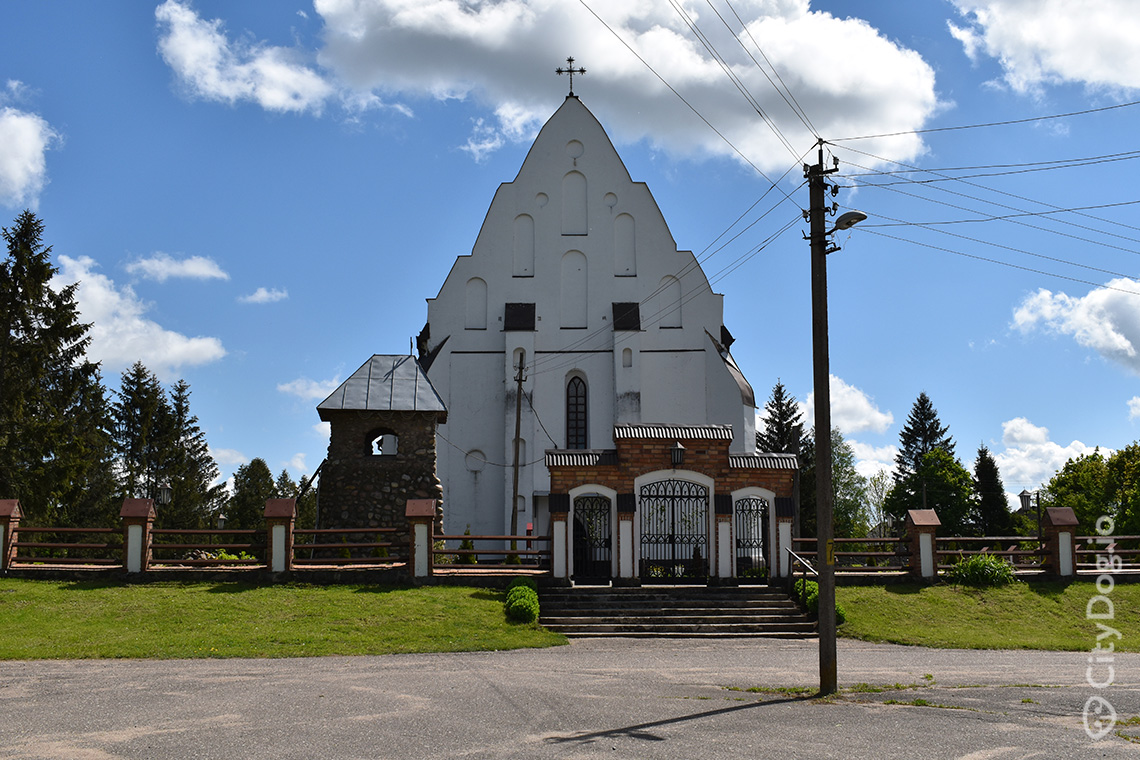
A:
x: 1099, y: 714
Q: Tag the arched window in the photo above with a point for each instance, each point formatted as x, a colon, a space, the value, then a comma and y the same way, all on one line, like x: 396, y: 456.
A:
x: 576, y: 414
x: 385, y: 445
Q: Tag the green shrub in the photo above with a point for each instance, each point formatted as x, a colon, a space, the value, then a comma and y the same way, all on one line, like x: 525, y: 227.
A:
x: 466, y: 545
x: 982, y: 570
x: 523, y: 581
x: 521, y: 604
x: 811, y: 600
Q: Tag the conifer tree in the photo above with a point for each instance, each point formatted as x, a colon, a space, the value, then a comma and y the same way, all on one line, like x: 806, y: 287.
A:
x: 53, y: 452
x: 253, y: 486
x: 993, y: 515
x: 783, y: 423
x: 922, y: 433
x: 144, y: 433
x: 189, y: 468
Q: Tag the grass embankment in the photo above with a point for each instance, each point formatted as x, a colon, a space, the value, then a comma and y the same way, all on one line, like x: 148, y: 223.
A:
x: 53, y: 620
x: 1018, y: 616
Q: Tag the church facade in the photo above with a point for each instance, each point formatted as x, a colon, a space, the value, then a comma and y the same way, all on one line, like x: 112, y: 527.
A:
x: 576, y: 293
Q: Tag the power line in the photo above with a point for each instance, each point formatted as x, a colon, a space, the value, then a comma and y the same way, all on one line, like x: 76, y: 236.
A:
x: 1004, y: 263
x: 681, y: 97
x: 797, y: 109
x: 727, y: 69
x: 900, y: 223
x: 989, y: 124
x: 891, y: 188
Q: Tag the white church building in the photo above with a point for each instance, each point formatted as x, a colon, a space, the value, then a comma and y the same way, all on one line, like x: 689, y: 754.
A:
x: 576, y: 278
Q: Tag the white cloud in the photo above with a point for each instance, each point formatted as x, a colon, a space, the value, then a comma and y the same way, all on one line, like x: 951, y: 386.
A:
x: 852, y: 410
x: 121, y: 334
x: 307, y: 389
x: 502, y: 55
x: 297, y: 464
x: 265, y: 295
x: 1106, y: 320
x: 214, y: 67
x: 1134, y: 408
x: 323, y: 430
x: 871, y: 459
x: 1030, y: 458
x: 24, y: 140
x: 1043, y: 42
x: 163, y: 266
x: 228, y: 457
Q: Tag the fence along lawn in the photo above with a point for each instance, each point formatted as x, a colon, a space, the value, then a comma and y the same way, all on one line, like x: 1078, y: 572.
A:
x: 167, y: 620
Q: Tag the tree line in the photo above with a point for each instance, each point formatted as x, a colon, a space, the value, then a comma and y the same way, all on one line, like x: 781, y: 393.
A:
x: 70, y: 451
x: 929, y: 475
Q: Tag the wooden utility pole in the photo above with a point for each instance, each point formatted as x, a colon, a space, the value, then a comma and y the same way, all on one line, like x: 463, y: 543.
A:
x: 519, y: 378
x: 825, y: 555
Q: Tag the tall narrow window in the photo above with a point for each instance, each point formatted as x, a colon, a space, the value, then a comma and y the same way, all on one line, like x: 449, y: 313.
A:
x: 576, y: 414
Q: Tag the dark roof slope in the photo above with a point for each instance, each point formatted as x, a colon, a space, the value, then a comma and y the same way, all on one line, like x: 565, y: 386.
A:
x: 386, y: 383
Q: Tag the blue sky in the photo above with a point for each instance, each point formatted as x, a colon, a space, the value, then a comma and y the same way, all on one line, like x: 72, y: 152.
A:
x: 257, y: 197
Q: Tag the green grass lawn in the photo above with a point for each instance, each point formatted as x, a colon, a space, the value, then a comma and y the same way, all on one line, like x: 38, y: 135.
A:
x: 1019, y: 616
x: 66, y: 620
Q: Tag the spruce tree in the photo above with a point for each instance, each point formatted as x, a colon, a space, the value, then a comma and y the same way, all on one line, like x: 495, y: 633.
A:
x: 144, y: 433
x: 922, y: 433
x: 993, y: 515
x: 53, y: 453
x: 189, y: 468
x: 783, y: 423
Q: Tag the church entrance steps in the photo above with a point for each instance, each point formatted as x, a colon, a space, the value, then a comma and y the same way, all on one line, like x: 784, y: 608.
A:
x: 674, y: 611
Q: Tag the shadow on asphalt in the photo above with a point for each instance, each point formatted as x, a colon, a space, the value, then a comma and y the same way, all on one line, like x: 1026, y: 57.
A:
x: 641, y: 730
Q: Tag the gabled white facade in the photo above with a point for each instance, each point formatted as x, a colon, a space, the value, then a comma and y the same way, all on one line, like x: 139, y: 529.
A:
x: 572, y: 235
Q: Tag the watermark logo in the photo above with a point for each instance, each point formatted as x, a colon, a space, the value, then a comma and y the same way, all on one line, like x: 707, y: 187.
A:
x: 1099, y: 714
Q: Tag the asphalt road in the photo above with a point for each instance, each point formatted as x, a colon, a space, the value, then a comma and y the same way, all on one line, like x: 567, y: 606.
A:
x: 615, y: 698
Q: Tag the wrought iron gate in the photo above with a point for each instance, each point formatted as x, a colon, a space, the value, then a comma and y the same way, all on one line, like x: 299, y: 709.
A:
x: 751, y: 517
x: 674, y: 531
x: 592, y: 538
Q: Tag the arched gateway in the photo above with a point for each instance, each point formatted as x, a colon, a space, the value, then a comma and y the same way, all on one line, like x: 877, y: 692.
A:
x: 671, y: 505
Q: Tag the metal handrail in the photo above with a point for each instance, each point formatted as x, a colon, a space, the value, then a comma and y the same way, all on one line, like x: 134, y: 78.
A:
x: 794, y: 558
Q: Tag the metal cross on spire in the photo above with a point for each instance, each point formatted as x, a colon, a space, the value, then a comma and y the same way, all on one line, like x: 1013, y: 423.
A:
x: 571, y: 71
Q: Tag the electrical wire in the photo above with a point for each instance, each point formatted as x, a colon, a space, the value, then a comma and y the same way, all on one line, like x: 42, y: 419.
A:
x: 681, y: 97
x: 1011, y: 220
x: 1004, y: 263
x: 988, y: 124
x: 783, y: 89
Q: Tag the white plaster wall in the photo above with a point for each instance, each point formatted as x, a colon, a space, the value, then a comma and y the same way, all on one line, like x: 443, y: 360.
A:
x: 473, y: 371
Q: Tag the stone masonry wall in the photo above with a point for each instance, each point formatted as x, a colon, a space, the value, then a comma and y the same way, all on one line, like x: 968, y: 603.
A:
x: 362, y: 489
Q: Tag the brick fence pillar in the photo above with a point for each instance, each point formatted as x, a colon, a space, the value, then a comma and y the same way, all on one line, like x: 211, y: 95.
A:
x: 1058, y: 531
x: 9, y: 523
x: 138, y: 519
x: 421, y: 516
x: 280, y: 517
x: 921, y: 527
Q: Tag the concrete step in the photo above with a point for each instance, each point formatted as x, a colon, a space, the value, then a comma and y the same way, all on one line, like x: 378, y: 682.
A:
x: 673, y: 611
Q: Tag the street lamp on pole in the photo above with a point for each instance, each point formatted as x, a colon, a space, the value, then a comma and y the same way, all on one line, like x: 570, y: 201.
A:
x: 825, y: 548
